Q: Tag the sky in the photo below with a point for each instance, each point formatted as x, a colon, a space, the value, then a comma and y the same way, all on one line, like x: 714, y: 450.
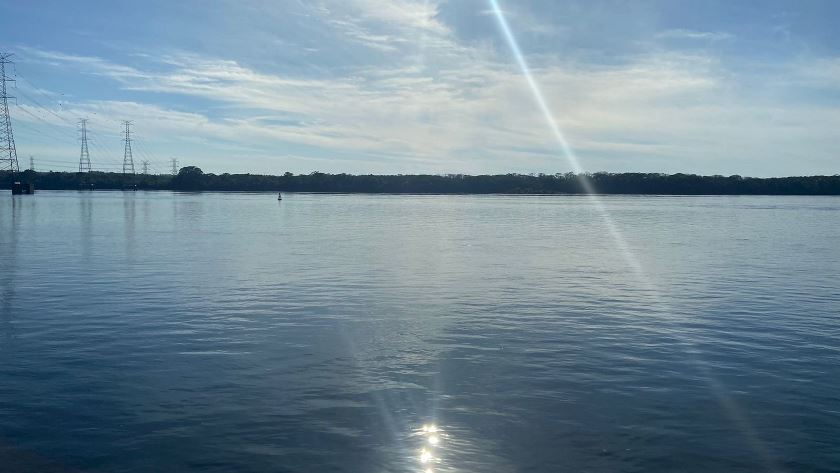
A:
x: 429, y: 86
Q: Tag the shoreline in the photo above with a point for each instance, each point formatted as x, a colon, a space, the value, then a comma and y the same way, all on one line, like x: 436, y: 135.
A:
x: 192, y: 179
x: 421, y: 194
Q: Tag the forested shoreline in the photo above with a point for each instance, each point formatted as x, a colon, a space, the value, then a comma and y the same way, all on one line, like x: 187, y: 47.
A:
x: 193, y: 179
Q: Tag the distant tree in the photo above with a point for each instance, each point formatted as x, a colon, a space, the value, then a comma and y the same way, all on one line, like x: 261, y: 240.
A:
x: 190, y: 178
x: 28, y: 176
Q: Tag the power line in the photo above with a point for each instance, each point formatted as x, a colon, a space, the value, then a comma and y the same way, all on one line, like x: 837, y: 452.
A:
x: 140, y: 150
x: 47, y: 109
x: 140, y: 147
x: 61, y: 130
x: 103, y: 153
x: 41, y: 119
x: 75, y: 164
x: 55, y: 132
x: 38, y: 111
x: 60, y: 135
x: 42, y: 94
x: 41, y: 132
x: 8, y: 152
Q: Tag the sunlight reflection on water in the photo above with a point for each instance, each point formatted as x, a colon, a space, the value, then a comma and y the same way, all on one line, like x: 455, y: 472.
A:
x: 431, y: 436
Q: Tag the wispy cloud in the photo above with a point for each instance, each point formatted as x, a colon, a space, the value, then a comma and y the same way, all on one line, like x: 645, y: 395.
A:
x: 387, y: 25
x: 95, y: 64
x: 694, y: 35
x: 403, y: 110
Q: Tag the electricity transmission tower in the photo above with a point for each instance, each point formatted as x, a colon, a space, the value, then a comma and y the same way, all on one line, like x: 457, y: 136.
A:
x: 84, y: 158
x: 8, y: 153
x: 174, y: 166
x: 31, y: 163
x: 128, y: 159
x: 145, y: 167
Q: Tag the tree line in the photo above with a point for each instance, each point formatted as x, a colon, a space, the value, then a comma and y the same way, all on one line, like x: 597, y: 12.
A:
x: 191, y: 178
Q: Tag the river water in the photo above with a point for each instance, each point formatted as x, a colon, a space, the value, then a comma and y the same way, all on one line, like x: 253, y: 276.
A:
x: 231, y: 332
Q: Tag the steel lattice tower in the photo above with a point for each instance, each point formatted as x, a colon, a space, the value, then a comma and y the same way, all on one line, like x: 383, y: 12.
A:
x: 8, y: 153
x: 128, y: 159
x: 84, y: 158
x: 31, y: 163
x: 174, y: 166
x: 145, y: 167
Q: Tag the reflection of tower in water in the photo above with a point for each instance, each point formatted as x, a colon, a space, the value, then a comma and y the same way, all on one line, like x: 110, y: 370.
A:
x: 86, y: 220
x: 129, y: 212
x: 9, y: 229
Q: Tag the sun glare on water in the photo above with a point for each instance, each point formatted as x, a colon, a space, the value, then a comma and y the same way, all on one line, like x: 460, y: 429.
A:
x: 432, y: 437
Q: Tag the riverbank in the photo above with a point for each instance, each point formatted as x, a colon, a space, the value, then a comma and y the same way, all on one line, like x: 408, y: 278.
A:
x: 191, y: 178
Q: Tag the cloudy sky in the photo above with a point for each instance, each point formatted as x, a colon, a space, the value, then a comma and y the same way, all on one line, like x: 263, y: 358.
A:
x: 406, y: 86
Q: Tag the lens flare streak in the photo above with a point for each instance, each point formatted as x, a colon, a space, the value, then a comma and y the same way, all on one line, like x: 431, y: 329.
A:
x: 726, y: 402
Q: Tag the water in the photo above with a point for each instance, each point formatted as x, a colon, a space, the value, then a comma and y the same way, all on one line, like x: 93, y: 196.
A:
x: 231, y: 332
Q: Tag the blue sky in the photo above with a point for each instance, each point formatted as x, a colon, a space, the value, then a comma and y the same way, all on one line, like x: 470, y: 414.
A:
x: 407, y: 86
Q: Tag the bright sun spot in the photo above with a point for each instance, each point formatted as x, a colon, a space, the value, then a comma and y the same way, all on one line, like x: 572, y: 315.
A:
x: 431, y: 436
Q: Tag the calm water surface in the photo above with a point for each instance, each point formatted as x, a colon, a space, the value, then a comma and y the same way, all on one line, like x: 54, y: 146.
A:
x: 230, y: 332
